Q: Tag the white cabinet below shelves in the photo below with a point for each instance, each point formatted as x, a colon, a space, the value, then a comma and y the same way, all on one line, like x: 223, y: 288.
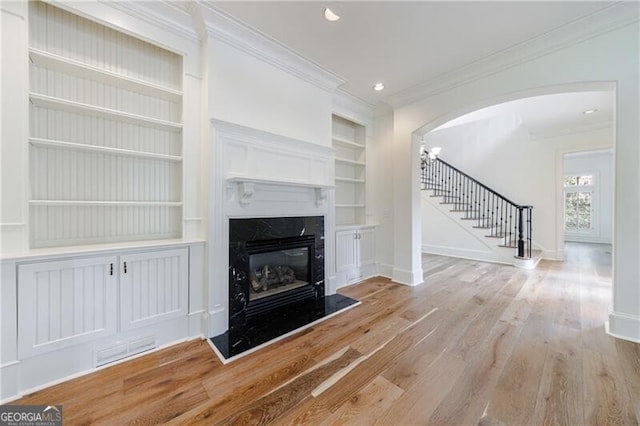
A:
x: 64, y: 303
x: 67, y: 302
x: 153, y: 287
x: 355, y: 254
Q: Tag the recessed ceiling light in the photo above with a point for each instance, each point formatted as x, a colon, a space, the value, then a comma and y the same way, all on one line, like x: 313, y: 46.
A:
x: 589, y: 111
x: 378, y: 87
x: 330, y: 15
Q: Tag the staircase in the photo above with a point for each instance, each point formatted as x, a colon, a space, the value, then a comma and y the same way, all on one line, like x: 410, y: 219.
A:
x: 482, y: 209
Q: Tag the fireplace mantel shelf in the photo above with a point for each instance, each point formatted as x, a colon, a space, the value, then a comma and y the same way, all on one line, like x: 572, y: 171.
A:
x: 243, y: 179
x: 246, y: 186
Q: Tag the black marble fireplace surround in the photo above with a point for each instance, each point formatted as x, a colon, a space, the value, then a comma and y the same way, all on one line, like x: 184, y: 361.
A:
x: 258, y: 316
x: 249, y: 237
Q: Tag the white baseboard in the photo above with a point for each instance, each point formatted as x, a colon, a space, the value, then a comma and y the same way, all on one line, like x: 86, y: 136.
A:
x: 406, y: 277
x: 197, y: 324
x: 14, y: 375
x: 461, y: 253
x: 385, y: 270
x: 217, y: 321
x: 331, y: 285
x: 586, y: 239
x: 9, y: 389
x: 624, y: 326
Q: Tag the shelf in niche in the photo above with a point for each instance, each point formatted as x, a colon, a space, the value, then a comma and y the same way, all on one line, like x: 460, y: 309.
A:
x: 357, y: 206
x: 102, y: 149
x: 351, y: 180
x: 51, y: 102
x: 347, y: 161
x: 69, y: 66
x: 91, y: 203
x: 346, y: 142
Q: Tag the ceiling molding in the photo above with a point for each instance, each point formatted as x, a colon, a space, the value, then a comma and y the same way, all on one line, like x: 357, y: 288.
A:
x: 172, y: 19
x: 618, y: 15
x: 353, y: 108
x: 224, y: 27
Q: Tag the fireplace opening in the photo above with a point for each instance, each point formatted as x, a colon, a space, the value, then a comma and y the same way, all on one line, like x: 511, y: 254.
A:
x: 280, y: 271
x: 277, y: 271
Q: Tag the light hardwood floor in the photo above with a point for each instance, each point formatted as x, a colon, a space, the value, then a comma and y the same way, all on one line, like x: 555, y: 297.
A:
x: 477, y: 343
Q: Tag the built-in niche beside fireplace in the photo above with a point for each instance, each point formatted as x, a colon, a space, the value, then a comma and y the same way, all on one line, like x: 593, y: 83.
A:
x: 276, y: 281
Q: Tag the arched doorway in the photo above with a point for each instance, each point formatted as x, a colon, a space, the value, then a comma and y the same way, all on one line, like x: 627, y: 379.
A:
x: 516, y: 147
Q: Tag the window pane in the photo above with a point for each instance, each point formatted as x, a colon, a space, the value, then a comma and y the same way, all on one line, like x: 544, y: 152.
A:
x: 578, y: 210
x: 579, y: 180
x: 584, y: 180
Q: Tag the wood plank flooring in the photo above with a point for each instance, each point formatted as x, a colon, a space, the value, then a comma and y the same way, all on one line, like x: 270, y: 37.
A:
x: 477, y: 343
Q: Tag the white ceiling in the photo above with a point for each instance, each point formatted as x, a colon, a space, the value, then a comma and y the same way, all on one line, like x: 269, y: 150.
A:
x: 403, y: 44
x: 550, y: 115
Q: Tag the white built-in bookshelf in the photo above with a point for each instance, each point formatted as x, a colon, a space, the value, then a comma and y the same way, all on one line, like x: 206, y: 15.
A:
x: 105, y: 133
x: 350, y: 159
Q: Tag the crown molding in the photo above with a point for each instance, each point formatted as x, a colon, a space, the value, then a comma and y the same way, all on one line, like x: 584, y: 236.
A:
x: 353, y: 108
x: 613, y: 17
x: 224, y: 27
x: 168, y: 17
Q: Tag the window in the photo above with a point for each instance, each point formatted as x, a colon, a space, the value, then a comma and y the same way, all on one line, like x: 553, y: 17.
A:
x: 578, y: 202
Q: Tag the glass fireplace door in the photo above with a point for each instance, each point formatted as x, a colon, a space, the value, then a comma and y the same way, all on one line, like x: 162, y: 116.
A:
x: 276, y: 271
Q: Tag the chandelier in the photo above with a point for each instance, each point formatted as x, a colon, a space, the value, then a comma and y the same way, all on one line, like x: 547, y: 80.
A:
x: 428, y: 156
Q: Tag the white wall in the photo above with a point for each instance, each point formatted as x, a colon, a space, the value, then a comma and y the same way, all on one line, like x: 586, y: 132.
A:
x: 500, y: 153
x: 247, y: 91
x: 610, y: 57
x: 600, y: 163
x: 380, y: 189
x: 447, y: 235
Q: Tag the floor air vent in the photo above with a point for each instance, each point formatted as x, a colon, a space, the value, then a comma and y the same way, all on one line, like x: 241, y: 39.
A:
x: 124, y: 349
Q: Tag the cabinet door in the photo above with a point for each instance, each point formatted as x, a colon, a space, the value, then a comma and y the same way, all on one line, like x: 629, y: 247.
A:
x: 345, y: 250
x: 153, y: 287
x: 63, y: 303
x: 366, y: 246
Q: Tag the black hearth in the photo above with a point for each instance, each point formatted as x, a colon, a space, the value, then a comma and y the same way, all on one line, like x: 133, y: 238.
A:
x: 276, y: 281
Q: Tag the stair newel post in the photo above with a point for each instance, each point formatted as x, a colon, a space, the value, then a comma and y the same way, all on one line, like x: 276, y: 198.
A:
x: 520, y: 231
x: 458, y: 192
x: 509, y: 232
x: 529, y: 233
x: 438, y: 179
x: 423, y: 174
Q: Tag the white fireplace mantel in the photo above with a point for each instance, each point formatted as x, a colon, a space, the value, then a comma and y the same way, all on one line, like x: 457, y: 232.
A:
x: 260, y: 174
x: 246, y: 187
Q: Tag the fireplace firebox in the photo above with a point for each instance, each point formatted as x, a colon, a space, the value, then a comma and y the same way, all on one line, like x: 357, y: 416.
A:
x: 280, y: 271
